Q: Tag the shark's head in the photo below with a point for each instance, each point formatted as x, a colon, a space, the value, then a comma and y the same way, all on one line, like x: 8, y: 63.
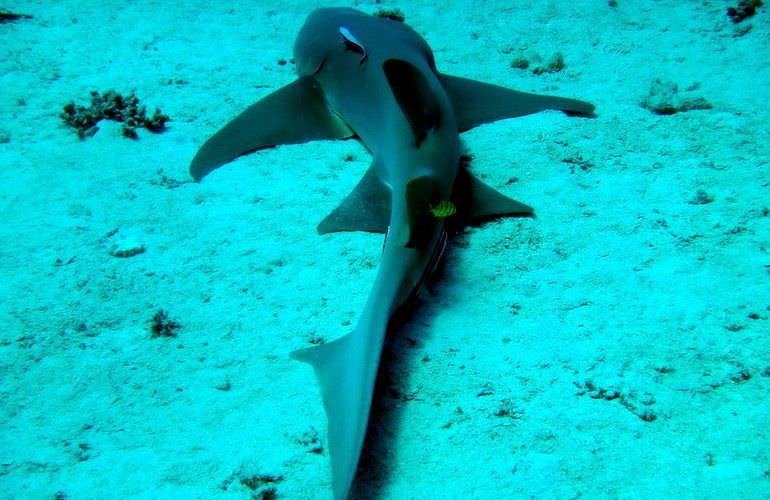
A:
x: 331, y: 31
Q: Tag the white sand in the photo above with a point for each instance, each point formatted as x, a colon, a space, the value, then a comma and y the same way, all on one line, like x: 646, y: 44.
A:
x: 526, y: 374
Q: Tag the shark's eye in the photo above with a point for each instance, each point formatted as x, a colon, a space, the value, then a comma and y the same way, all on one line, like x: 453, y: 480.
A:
x: 352, y: 43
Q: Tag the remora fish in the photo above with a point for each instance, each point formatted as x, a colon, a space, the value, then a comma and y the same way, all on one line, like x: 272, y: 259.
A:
x: 375, y: 79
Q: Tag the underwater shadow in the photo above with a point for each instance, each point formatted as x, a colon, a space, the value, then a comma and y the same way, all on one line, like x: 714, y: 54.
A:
x: 402, y: 349
x: 403, y: 345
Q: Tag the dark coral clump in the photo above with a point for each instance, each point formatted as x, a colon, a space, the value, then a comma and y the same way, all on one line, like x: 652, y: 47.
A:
x: 111, y: 105
x: 555, y: 65
x: 744, y: 9
x: 392, y: 14
x: 162, y: 325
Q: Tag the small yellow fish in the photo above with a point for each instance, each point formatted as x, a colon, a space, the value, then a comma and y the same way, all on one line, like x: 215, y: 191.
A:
x: 443, y: 209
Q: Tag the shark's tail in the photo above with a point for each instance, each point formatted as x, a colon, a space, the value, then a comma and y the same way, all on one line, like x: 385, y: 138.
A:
x: 347, y: 383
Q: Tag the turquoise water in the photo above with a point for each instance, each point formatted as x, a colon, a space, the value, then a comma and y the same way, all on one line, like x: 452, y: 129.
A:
x: 613, y: 346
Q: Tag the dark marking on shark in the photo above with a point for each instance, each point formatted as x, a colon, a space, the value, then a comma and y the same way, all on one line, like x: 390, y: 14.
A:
x: 375, y: 79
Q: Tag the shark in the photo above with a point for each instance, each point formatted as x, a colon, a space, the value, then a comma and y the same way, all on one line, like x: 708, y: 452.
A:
x: 375, y: 79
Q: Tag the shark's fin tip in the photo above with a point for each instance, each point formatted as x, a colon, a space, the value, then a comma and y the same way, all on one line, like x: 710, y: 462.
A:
x: 481, y: 202
x: 477, y: 102
x: 366, y: 208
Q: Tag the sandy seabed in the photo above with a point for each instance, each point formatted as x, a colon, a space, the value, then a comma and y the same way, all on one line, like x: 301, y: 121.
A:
x: 615, y: 346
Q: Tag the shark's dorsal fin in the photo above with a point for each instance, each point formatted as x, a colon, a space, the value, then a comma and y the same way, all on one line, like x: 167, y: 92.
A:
x: 477, y: 102
x: 414, y: 96
x: 366, y: 208
x: 292, y: 114
x: 478, y: 201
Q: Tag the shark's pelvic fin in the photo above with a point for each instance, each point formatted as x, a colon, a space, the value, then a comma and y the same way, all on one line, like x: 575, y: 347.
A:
x: 366, y: 208
x: 347, y: 395
x: 478, y: 201
x: 477, y: 102
x: 292, y: 114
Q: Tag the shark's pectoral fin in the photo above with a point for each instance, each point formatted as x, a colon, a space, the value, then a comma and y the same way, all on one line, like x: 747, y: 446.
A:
x: 292, y: 114
x: 477, y: 102
x: 366, y: 208
x: 478, y: 201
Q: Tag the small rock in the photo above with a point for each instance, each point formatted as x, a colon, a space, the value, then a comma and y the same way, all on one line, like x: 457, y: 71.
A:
x: 664, y: 99
x: 125, y: 243
x: 701, y: 198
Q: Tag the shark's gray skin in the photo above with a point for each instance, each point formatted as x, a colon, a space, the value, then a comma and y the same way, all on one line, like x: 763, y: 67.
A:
x: 375, y: 79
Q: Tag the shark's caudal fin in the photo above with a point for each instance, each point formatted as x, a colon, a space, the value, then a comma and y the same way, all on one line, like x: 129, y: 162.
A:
x: 366, y: 208
x: 292, y: 114
x: 347, y: 385
x: 477, y: 102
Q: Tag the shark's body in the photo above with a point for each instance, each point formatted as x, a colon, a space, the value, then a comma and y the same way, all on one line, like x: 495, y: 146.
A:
x: 375, y: 79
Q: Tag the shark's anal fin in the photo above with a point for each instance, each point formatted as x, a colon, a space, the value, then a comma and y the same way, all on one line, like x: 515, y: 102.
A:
x: 366, y: 208
x: 477, y: 102
x: 292, y: 114
x: 347, y: 399
x: 477, y: 201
